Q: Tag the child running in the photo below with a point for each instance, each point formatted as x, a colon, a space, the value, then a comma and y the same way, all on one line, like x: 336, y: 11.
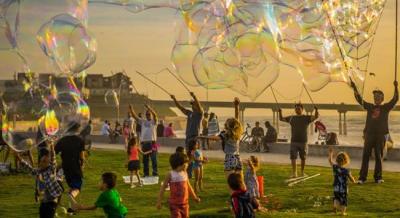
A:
x: 198, y: 160
x: 230, y: 142
x: 133, y: 160
x: 180, y: 187
x: 250, y: 177
x: 109, y: 199
x: 243, y: 206
x: 47, y: 174
x: 341, y: 175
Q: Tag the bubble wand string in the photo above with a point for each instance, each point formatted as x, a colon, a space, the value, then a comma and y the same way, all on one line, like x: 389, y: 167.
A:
x: 177, y: 78
x: 308, y: 93
x: 145, y: 77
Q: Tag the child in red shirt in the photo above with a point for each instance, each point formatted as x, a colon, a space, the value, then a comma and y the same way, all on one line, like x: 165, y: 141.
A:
x: 180, y: 187
x: 133, y: 160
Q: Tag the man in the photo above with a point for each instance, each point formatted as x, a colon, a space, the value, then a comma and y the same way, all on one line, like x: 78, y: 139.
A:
x: 160, y: 129
x: 272, y: 134
x: 72, y: 149
x: 148, y: 138
x: 299, y: 124
x: 376, y: 127
x: 257, y: 131
x: 105, y: 129
x: 193, y: 122
x: 204, y: 125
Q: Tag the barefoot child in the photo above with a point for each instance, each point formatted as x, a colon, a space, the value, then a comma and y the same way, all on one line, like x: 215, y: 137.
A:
x: 250, y: 177
x: 180, y: 187
x: 109, y: 199
x: 341, y: 175
x: 198, y: 161
x: 133, y: 160
x: 243, y: 206
x: 230, y: 142
x: 52, y: 187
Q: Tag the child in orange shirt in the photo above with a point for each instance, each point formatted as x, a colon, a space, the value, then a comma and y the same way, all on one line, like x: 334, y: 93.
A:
x: 133, y: 160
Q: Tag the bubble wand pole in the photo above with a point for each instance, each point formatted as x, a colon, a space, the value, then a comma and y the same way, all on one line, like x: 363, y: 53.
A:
x: 177, y: 78
x: 145, y: 77
x: 309, y: 95
x: 396, y: 42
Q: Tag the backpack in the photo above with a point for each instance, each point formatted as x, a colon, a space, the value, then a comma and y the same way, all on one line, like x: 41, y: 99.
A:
x: 245, y: 205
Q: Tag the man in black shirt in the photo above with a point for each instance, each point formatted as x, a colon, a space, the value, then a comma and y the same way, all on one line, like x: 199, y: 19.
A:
x: 299, y: 124
x: 376, y: 127
x: 71, y: 147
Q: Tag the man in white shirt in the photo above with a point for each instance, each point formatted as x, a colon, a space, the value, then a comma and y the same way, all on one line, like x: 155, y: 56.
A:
x: 148, y: 138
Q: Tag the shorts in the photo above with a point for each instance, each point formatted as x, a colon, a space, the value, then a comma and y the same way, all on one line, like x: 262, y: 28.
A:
x: 134, y: 165
x: 298, y: 148
x: 197, y: 164
x: 179, y: 210
x: 232, y: 162
x: 340, y: 197
x: 74, y: 182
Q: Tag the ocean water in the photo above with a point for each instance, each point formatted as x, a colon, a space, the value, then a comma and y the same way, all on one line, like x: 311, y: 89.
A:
x: 355, y: 126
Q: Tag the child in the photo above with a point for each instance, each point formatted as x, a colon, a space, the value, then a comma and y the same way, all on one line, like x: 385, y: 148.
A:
x: 47, y: 174
x: 180, y: 187
x: 250, y: 177
x: 243, y: 205
x: 180, y: 149
x: 230, y: 138
x: 109, y: 199
x: 198, y: 161
x: 133, y: 159
x: 341, y: 175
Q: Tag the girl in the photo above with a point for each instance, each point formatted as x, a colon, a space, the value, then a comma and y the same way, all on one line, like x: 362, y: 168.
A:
x: 133, y: 160
x: 250, y: 177
x: 180, y: 187
x: 230, y: 138
x: 198, y: 161
x: 341, y: 175
x: 126, y: 131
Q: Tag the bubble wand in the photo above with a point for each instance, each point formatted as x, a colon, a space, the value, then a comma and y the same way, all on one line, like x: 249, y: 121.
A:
x: 145, y: 77
x: 177, y: 78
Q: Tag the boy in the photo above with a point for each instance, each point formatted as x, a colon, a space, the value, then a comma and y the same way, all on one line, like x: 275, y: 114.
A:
x: 299, y: 124
x: 243, y: 205
x: 180, y: 187
x: 109, y: 199
x: 46, y: 173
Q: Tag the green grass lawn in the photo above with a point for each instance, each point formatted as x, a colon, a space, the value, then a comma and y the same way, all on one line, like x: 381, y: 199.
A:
x: 302, y: 200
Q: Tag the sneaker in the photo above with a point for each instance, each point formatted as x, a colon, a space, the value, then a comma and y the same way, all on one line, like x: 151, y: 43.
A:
x: 70, y: 211
x: 133, y: 186
x: 379, y: 181
x: 360, y: 182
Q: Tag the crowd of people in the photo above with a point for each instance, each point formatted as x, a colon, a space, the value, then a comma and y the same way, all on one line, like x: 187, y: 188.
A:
x: 241, y: 175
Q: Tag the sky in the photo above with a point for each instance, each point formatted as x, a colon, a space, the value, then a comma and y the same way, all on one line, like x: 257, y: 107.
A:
x: 144, y: 41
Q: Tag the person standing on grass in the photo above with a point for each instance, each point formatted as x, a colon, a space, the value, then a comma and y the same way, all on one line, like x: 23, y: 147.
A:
x: 298, y: 144
x: 230, y: 140
x: 148, y: 137
x: 341, y: 177
x: 376, y: 127
x: 180, y: 187
x: 133, y: 160
x: 194, y: 118
x: 72, y: 149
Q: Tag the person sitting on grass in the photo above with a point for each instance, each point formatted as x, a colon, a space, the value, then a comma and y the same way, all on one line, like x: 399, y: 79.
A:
x: 133, y: 159
x: 341, y: 176
x: 243, y: 205
x: 299, y: 124
x: 230, y: 142
x: 180, y: 187
x: 47, y: 175
x: 109, y: 199
x: 198, y: 160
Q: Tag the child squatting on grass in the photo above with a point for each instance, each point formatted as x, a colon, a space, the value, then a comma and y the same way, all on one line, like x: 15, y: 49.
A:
x: 243, y: 205
x: 230, y: 138
x: 109, y: 199
x: 341, y: 175
x: 133, y: 159
x: 180, y: 187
